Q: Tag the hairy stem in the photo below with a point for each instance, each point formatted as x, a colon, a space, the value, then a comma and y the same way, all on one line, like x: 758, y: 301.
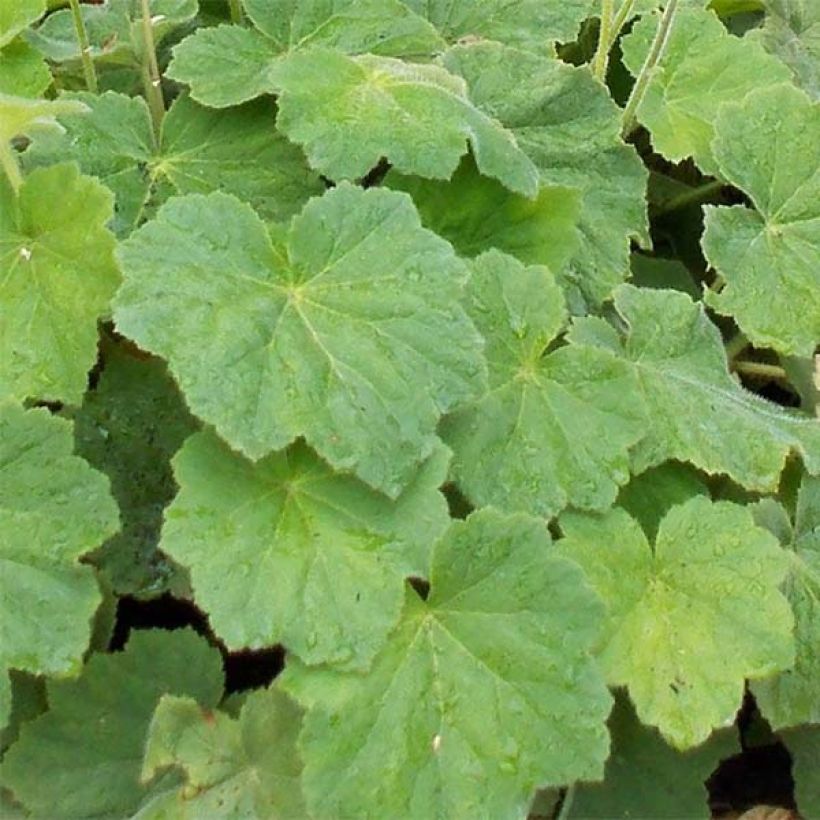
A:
x: 692, y: 196
x: 236, y: 11
x: 566, y: 803
x: 9, y: 164
x: 621, y: 17
x: 654, y: 56
x: 152, y: 82
x: 89, y: 71
x: 761, y: 370
x: 605, y: 38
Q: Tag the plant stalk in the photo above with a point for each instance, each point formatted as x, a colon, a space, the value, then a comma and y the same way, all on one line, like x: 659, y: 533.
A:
x: 656, y: 51
x: 761, y: 370
x: 693, y: 196
x: 621, y: 17
x: 9, y: 164
x: 566, y: 803
x: 89, y: 71
x: 735, y: 346
x: 152, y: 81
x: 235, y: 7
x: 605, y: 38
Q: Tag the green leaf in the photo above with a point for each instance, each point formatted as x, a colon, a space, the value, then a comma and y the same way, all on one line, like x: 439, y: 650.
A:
x: 59, y: 277
x: 229, y: 64
x: 349, y: 112
x: 657, y: 272
x: 803, y: 744
x: 53, y: 510
x: 23, y: 72
x: 690, y: 617
x: 565, y: 121
x: 645, y: 777
x: 18, y: 15
x: 335, y: 552
x: 246, y: 768
x: 25, y: 117
x: 484, y: 691
x: 553, y: 429
x: 352, y: 336
x: 791, y: 31
x: 200, y: 151
x: 531, y: 25
x: 792, y: 697
x: 91, y: 741
x: 702, y: 68
x: 476, y: 213
x: 128, y: 427
x: 697, y: 411
x: 769, y: 257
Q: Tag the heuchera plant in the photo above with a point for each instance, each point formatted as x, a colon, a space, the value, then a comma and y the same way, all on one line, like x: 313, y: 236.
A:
x: 465, y: 350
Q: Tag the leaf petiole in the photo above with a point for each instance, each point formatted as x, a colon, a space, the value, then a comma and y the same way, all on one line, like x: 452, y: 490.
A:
x: 235, y: 7
x: 89, y: 71
x: 10, y: 166
x: 152, y: 81
x: 761, y: 370
x: 605, y: 38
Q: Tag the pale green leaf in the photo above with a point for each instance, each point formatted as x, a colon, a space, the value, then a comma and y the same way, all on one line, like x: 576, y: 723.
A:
x: 791, y: 31
x: 200, y: 150
x: 128, y: 427
x: 769, y: 147
x: 20, y: 116
x: 230, y: 64
x: 702, y: 68
x: 792, y: 697
x: 59, y: 275
x: 697, y: 411
x: 477, y: 213
x: 553, y: 429
x: 351, y: 336
x: 803, y: 743
x: 91, y: 741
x: 349, y: 112
x: 287, y: 551
x: 53, y: 510
x: 531, y: 25
x: 565, y: 121
x: 247, y: 767
x: 484, y: 691
x: 23, y: 72
x: 690, y: 617
x: 647, y: 778
x: 16, y: 16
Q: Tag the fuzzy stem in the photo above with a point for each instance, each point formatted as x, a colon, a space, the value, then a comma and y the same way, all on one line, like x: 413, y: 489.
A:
x: 761, y: 370
x: 605, y: 37
x: 236, y: 11
x: 621, y: 17
x: 692, y: 196
x: 151, y: 79
x: 656, y: 51
x: 8, y: 162
x: 566, y: 803
x: 736, y: 345
x: 85, y: 48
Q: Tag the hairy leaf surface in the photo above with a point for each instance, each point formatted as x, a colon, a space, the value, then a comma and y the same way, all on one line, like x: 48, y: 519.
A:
x: 770, y: 257
x: 554, y: 428
x: 53, y: 509
x: 483, y: 692
x: 690, y: 617
x: 352, y: 335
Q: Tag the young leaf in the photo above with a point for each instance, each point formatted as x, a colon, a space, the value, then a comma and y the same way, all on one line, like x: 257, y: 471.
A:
x: 228, y: 65
x: 128, y: 427
x: 690, y: 618
x: 483, y: 692
x: 702, y: 68
x: 792, y: 697
x: 697, y: 411
x: 287, y: 551
x: 769, y: 258
x: 246, y: 768
x: 477, y: 213
x: 352, y: 336
x: 91, y: 741
x: 569, y: 126
x: 553, y: 429
x: 59, y: 277
x: 200, y: 150
x: 23, y: 117
x: 53, y: 509
x: 791, y: 31
x: 349, y: 112
x: 645, y: 777
x: 23, y: 72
